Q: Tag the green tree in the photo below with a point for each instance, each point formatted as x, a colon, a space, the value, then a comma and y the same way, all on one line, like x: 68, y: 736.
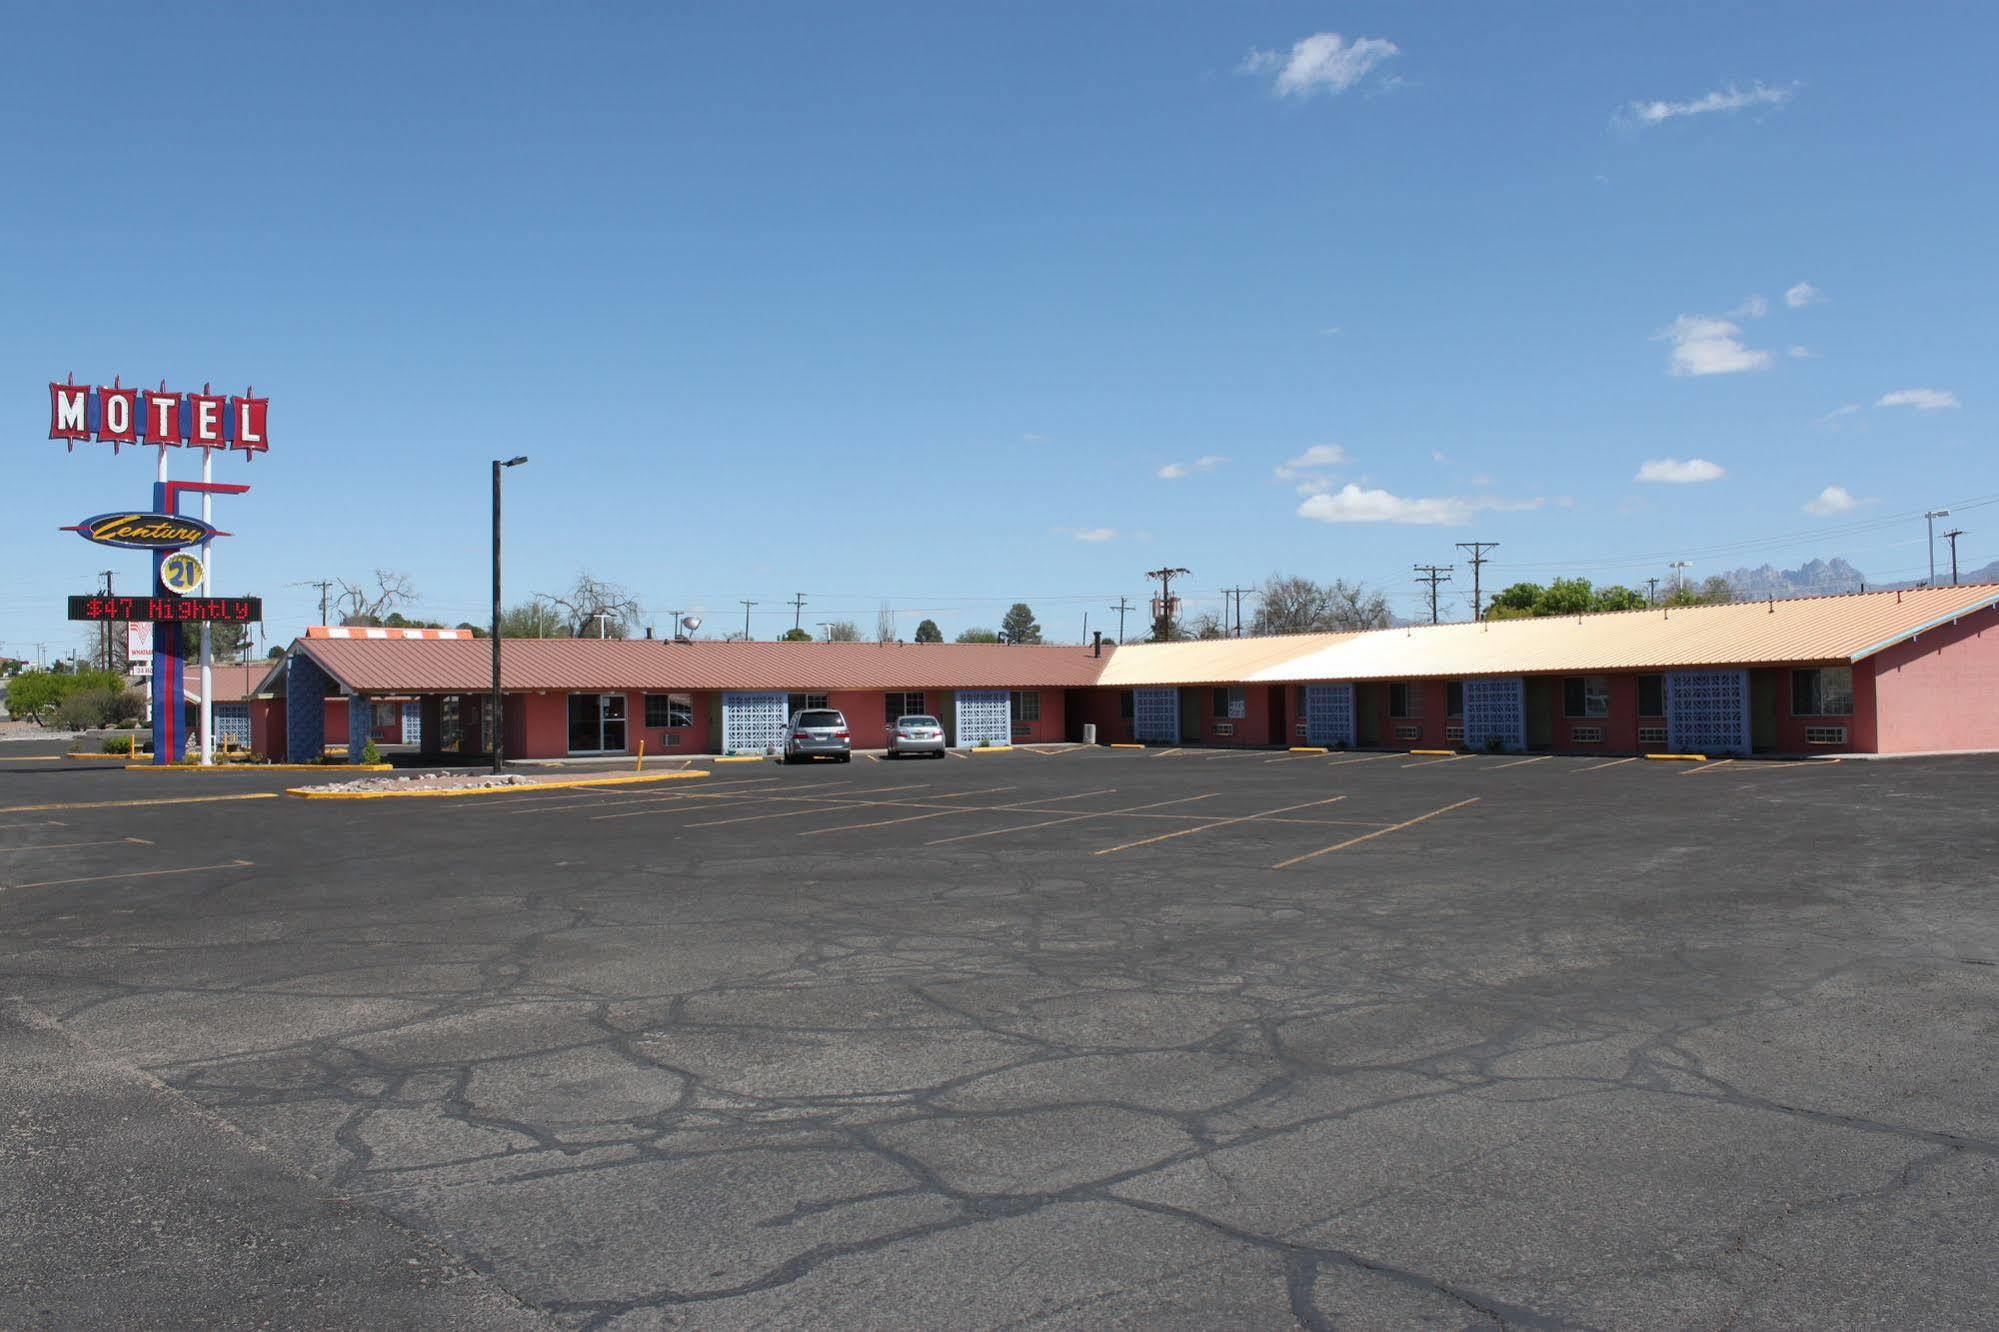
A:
x: 978, y: 636
x: 928, y: 632
x: 1617, y: 597
x: 1567, y: 596
x: 795, y: 636
x: 274, y: 654
x: 533, y: 619
x: 37, y: 694
x: 1019, y: 626
x: 843, y: 631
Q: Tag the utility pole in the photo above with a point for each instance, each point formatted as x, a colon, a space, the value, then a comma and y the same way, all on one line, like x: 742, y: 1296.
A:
x: 1122, y: 606
x: 1434, y: 574
x: 746, y: 620
x: 1162, y: 624
x: 1235, y: 592
x: 1653, y: 599
x: 797, y: 613
x: 1950, y: 536
x: 1931, y: 518
x: 107, y: 626
x: 1478, y: 551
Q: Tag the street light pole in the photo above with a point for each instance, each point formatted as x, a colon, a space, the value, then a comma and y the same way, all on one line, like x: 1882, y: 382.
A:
x: 498, y: 715
x: 1931, y: 518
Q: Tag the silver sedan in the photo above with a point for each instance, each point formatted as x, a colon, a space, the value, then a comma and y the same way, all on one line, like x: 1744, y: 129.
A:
x: 916, y: 734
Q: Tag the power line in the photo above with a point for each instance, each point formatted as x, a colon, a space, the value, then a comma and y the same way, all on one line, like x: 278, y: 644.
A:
x: 1478, y: 551
x: 324, y: 585
x: 1122, y: 606
x: 1434, y: 574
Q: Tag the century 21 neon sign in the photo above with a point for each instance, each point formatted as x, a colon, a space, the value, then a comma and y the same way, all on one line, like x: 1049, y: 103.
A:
x: 119, y: 415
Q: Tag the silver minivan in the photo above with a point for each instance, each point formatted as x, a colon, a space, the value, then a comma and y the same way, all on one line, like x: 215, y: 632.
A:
x: 818, y: 733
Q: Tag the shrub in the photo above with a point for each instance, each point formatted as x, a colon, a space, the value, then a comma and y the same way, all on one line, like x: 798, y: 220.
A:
x: 85, y: 709
x: 121, y: 744
x: 370, y: 754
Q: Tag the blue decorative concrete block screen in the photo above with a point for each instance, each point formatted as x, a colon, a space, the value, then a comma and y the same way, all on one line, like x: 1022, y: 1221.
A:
x: 1496, y: 708
x: 1329, y: 714
x: 1155, y: 715
x: 1707, y: 712
x: 752, y: 723
x: 360, y: 726
x: 305, y: 709
x: 231, y: 724
x: 412, y: 723
x: 984, y: 715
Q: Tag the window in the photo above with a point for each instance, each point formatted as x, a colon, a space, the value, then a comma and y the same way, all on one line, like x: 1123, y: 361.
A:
x: 1454, y: 731
x: 596, y: 723
x: 1405, y: 698
x: 1231, y: 704
x: 1652, y: 696
x: 663, y: 710
x: 1408, y: 733
x: 1825, y: 735
x: 1026, y: 705
x: 1586, y: 735
x: 1822, y: 691
x: 1586, y: 696
x: 901, y: 705
x: 821, y: 720
x: 1454, y: 698
x: 1125, y: 707
x: 800, y: 702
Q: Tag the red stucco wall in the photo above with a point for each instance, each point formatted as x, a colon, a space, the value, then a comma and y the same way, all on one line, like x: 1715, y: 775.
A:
x: 1940, y: 690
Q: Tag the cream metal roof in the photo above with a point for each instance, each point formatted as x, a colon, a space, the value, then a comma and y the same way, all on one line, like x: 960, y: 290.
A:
x: 1806, y: 629
x: 1207, y: 661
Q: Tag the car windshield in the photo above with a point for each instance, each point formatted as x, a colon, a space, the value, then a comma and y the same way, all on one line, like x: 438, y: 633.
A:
x: 821, y: 719
x: 915, y: 721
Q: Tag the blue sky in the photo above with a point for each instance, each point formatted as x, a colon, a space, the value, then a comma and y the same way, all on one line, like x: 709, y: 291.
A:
x: 956, y: 305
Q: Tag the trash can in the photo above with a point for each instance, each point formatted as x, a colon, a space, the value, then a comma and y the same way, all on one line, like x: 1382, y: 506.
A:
x: 1089, y: 733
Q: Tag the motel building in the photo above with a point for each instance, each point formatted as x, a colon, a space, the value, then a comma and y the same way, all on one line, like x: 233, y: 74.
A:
x: 1914, y: 671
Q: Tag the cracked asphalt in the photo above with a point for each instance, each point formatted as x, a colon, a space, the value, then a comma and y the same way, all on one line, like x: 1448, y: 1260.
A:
x: 1086, y: 1039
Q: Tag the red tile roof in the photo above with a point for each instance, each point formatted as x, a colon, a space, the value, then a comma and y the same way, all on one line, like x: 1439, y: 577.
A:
x: 373, y: 666
x: 232, y: 684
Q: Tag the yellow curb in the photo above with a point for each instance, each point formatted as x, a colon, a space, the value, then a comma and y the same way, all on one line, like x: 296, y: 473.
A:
x: 1680, y: 758
x: 41, y: 758
x: 260, y: 767
x: 320, y: 793
x: 1120, y: 745
x: 1435, y: 753
x: 991, y: 749
x: 114, y: 757
x: 737, y: 758
x: 1309, y: 749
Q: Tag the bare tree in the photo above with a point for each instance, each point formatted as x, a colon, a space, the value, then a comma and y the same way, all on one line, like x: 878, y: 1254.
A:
x: 1205, y: 625
x: 843, y: 631
x: 594, y: 608
x: 359, y: 605
x: 1296, y: 605
x: 885, y: 624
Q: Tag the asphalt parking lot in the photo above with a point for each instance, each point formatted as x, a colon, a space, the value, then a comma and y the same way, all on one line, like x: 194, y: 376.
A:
x: 1067, y: 1038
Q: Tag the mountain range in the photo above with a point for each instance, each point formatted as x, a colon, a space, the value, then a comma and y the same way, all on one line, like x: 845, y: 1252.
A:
x: 1819, y: 578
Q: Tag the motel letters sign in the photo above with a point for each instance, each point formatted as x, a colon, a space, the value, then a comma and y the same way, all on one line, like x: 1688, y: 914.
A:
x: 118, y: 415
x: 168, y: 610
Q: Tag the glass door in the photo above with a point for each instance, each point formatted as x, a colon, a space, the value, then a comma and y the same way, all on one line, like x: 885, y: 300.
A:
x: 596, y: 723
x: 613, y: 721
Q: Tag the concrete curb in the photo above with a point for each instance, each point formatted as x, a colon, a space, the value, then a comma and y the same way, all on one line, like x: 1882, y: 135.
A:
x: 261, y: 767
x: 321, y: 793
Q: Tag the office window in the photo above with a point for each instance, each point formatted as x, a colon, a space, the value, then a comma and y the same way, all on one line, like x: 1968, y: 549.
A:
x: 664, y: 710
x: 1454, y: 698
x: 1586, y: 696
x: 1026, y: 705
x: 1231, y: 704
x: 1405, y: 698
x: 800, y: 702
x: 1125, y: 707
x: 1822, y: 691
x: 903, y: 705
x: 1651, y: 695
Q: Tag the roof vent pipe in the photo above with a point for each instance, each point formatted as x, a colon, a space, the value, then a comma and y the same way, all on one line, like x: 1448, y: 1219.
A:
x: 1097, y: 649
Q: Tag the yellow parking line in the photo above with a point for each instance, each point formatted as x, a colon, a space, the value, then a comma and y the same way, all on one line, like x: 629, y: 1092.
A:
x: 135, y: 874
x: 1538, y: 758
x: 127, y: 804
x: 1706, y: 767
x: 1611, y: 764
x: 1071, y: 818
x: 1232, y: 753
x: 1379, y: 832
x: 955, y: 753
x: 65, y: 846
x: 696, y: 800
x: 1222, y: 823
x: 42, y: 758
x: 1428, y: 762
x: 35, y: 823
x: 844, y: 804
x: 1168, y: 753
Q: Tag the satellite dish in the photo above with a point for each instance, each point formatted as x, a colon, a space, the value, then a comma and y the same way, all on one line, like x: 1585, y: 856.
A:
x: 689, y: 623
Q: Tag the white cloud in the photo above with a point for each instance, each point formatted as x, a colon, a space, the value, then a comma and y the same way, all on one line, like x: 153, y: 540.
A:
x: 1753, y: 308
x: 1803, y: 294
x: 1730, y: 99
x: 1353, y: 504
x: 1922, y: 399
x: 1847, y: 409
x: 1324, y: 62
x: 1095, y: 534
x: 1803, y: 354
x: 1032, y: 438
x: 1706, y: 345
x: 1331, y: 331
x: 1208, y: 462
x: 1315, y: 485
x: 1439, y: 456
x: 1833, y: 500
x: 1674, y: 471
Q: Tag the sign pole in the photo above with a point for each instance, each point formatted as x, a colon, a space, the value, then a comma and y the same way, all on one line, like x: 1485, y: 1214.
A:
x: 167, y: 662
x: 208, y: 588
